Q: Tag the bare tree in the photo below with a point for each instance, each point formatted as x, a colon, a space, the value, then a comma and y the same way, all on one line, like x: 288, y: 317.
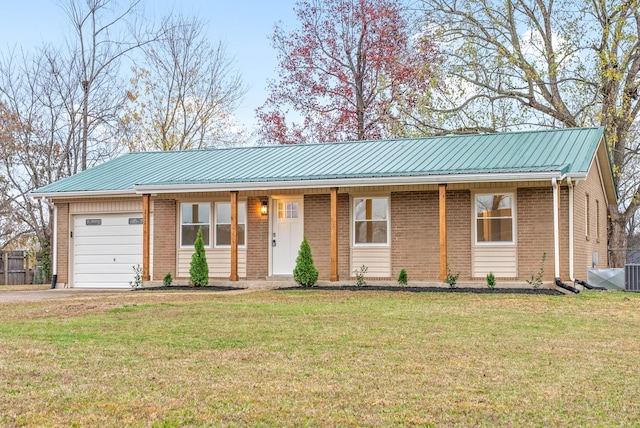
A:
x: 103, y: 35
x: 549, y: 63
x: 64, y: 103
x: 184, y: 95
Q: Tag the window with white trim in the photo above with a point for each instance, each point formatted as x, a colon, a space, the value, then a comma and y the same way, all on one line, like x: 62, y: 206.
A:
x: 371, y: 221
x: 597, y: 220
x: 223, y: 224
x: 587, y: 216
x: 494, y: 218
x: 193, y: 217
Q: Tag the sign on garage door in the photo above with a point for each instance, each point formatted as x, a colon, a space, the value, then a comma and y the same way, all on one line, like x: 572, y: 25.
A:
x: 105, y: 249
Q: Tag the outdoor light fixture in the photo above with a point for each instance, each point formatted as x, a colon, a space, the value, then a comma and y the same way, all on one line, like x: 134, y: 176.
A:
x: 264, y: 208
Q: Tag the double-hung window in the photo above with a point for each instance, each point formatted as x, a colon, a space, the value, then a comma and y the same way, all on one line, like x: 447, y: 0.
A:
x: 223, y: 224
x: 371, y: 220
x: 494, y: 218
x: 194, y: 216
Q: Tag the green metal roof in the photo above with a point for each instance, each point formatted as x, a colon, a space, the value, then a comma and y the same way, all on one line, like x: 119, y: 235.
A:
x: 566, y: 151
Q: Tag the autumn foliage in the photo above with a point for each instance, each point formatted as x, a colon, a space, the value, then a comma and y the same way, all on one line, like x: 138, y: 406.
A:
x: 347, y: 72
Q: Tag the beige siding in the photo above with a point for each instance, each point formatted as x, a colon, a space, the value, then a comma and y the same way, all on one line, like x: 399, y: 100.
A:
x: 501, y: 260
x: 106, y: 206
x: 376, y: 259
x: 218, y: 259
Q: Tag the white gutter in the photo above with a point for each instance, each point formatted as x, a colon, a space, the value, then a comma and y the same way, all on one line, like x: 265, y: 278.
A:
x: 344, y: 182
x: 571, y: 243
x: 82, y: 194
x: 556, y: 231
x: 310, y: 183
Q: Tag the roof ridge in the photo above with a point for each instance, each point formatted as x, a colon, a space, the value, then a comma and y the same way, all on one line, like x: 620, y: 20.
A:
x: 349, y: 142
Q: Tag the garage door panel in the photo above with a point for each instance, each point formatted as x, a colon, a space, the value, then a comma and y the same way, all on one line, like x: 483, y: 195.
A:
x: 106, y: 248
x: 123, y: 232
x: 91, y: 250
x: 126, y: 271
x: 93, y: 281
x: 108, y: 259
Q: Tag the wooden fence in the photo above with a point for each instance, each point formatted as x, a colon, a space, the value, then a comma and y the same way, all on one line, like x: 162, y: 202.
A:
x: 14, y: 268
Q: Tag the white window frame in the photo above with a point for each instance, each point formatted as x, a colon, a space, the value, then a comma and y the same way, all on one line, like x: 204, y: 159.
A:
x: 182, y: 204
x: 512, y: 195
x: 354, y: 220
x: 587, y: 217
x: 597, y: 220
x: 242, y: 207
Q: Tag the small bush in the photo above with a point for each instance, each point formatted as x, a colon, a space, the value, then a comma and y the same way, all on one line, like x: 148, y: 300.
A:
x: 402, y: 278
x: 359, y: 274
x: 199, y: 270
x: 451, y: 279
x: 305, y: 273
x: 167, y: 280
x: 536, y: 281
x: 491, y: 280
x: 137, y: 277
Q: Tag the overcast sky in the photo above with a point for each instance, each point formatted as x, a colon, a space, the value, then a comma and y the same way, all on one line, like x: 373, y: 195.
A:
x: 244, y: 25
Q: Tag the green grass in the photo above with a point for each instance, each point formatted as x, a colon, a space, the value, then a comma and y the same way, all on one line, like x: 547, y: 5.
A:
x: 321, y: 358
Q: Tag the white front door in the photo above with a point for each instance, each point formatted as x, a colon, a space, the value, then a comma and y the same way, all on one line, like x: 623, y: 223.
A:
x: 288, y: 231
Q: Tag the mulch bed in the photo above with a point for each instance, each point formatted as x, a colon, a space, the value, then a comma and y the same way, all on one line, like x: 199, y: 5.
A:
x: 189, y: 288
x: 543, y: 291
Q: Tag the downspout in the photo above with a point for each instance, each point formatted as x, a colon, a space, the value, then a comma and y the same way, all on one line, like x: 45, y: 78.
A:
x: 556, y: 232
x: 571, y: 261
x: 54, y: 244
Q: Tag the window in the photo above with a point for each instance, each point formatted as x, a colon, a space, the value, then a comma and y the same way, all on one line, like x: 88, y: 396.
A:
x: 587, y: 215
x: 597, y: 220
x: 371, y: 220
x: 223, y: 223
x: 494, y: 218
x: 194, y: 217
x: 287, y: 210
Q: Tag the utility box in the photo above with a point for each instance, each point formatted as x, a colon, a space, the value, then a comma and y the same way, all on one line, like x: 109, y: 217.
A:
x: 611, y: 279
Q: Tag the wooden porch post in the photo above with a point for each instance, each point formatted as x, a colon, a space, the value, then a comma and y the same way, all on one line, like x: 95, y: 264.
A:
x: 146, y: 236
x: 334, y: 235
x: 442, y: 190
x: 234, y: 237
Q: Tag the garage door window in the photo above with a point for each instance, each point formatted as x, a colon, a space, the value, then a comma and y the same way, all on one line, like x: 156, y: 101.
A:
x: 194, y: 217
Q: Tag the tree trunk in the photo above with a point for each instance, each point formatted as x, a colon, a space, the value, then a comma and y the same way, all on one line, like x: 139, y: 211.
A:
x: 617, y: 237
x: 85, y: 123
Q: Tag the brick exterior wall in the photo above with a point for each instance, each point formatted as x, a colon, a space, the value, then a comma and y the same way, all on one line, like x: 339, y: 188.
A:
x: 415, y: 236
x: 317, y: 230
x: 257, y: 239
x: 459, y: 233
x: 585, y: 245
x: 164, y: 238
x: 535, y: 231
x: 62, y: 243
x: 344, y: 237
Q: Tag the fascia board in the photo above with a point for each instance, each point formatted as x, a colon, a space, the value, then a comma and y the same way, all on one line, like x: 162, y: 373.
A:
x: 349, y: 182
x: 82, y: 194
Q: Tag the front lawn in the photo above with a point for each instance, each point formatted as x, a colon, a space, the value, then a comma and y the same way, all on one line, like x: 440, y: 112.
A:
x: 321, y: 358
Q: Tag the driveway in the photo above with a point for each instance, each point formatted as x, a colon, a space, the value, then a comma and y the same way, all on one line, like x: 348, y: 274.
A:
x: 37, y: 295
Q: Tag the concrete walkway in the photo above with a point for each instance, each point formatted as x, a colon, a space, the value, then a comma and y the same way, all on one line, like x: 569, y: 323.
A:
x: 37, y: 295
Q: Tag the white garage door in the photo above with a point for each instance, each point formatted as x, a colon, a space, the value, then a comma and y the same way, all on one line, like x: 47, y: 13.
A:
x: 106, y: 247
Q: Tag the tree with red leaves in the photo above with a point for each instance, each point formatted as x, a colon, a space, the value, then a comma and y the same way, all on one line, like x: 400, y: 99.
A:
x: 348, y: 72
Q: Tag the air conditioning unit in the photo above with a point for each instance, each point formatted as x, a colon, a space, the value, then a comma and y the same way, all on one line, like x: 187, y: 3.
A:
x: 632, y: 277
